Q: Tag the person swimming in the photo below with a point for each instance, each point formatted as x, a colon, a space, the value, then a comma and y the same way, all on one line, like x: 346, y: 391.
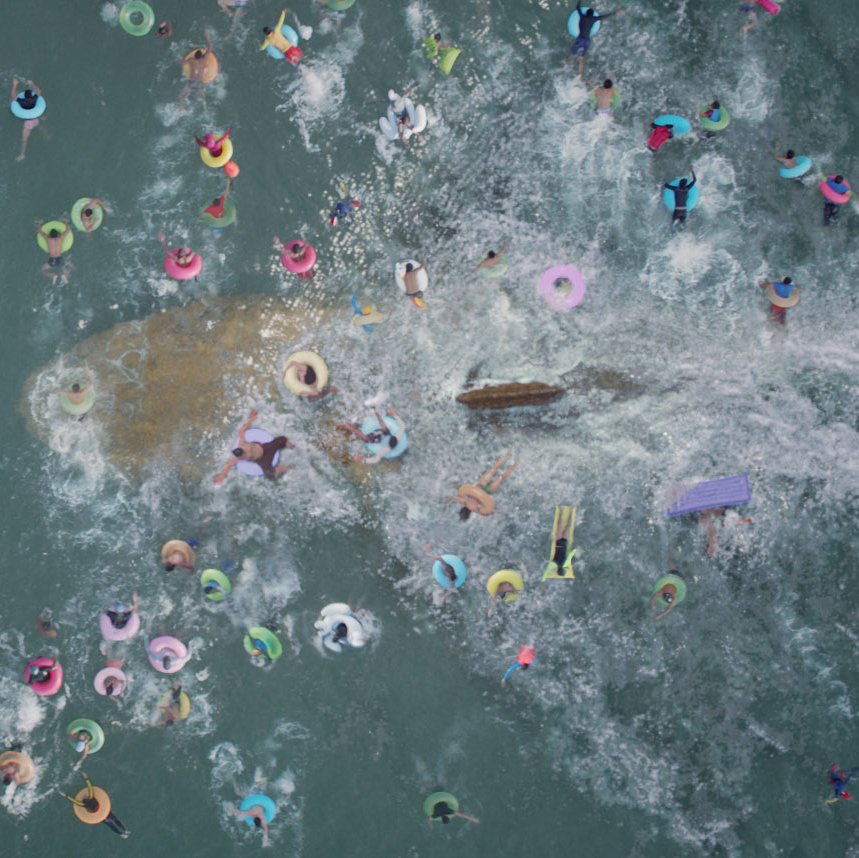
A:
x: 681, y: 195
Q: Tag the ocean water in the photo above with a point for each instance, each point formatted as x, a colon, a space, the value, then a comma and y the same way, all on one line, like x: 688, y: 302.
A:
x: 706, y: 733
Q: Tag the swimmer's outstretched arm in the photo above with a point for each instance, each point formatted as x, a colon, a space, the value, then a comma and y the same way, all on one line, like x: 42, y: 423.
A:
x: 247, y: 425
x: 466, y: 816
x: 208, y: 40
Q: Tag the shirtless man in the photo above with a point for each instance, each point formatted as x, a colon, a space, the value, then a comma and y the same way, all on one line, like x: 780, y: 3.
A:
x: 410, y: 278
x: 77, y: 394
x: 494, y: 258
x: 27, y: 100
x: 478, y: 497
x: 604, y: 95
x: 197, y: 68
x: 54, y: 240
x: 262, y: 454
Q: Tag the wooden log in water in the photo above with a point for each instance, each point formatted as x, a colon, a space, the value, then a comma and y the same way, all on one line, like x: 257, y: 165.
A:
x: 513, y: 395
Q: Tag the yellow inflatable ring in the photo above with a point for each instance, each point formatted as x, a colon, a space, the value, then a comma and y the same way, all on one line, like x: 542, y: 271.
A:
x: 184, y: 703
x: 226, y: 154
x: 26, y: 769
x: 100, y: 813
x: 505, y: 576
x: 290, y: 376
x: 188, y: 553
x: 212, y: 67
x: 485, y: 500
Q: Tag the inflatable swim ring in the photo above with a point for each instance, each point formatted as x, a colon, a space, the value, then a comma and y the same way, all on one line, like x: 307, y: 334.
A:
x: 370, y: 424
x: 573, y: 23
x: 96, y: 218
x: 290, y: 376
x: 785, y: 303
x: 458, y: 568
x: 680, y: 125
x: 290, y: 35
x: 76, y: 409
x: 259, y: 637
x: 102, y: 810
x: 252, y: 469
x: 174, y: 545
x: 551, y: 293
x: 62, y: 228
x: 447, y: 57
x: 671, y: 585
x: 26, y: 768
x: 33, y: 112
x: 691, y: 200
x: 803, y: 165
x: 109, y: 673
x: 332, y: 616
x: 184, y: 703
x: 299, y: 266
x: 219, y: 586
x: 95, y: 743
x: 257, y: 799
x: 423, y: 280
x: 136, y: 18
x: 721, y: 125
x: 212, y: 67
x: 110, y: 633
x: 436, y: 798
x: 769, y: 6
x: 54, y: 681
x: 485, y: 500
x: 340, y: 5
x: 218, y: 161
x: 505, y: 576
x: 228, y: 218
x: 832, y: 194
x: 183, y: 272
x: 417, y: 117
x: 165, y: 645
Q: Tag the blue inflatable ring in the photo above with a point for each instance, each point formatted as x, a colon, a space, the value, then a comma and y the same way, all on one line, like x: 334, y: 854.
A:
x: 680, y: 124
x: 458, y: 568
x: 290, y: 35
x: 32, y: 113
x: 370, y: 425
x: 691, y: 200
x: 803, y: 165
x: 257, y: 798
x: 573, y: 23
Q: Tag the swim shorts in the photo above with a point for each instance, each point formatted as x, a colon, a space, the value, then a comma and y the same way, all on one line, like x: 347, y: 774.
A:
x: 580, y: 48
x: 55, y: 261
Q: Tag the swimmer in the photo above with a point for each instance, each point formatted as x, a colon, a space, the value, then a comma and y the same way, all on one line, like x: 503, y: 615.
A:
x: 81, y: 740
x: 213, y: 144
x: 787, y: 160
x: 660, y: 135
x: 88, y: 214
x: 477, y: 497
x: 830, y: 209
x: 198, y: 67
x: 27, y: 99
x: 40, y: 675
x: 782, y: 295
x: 11, y: 771
x: 275, y: 38
x: 449, y: 573
x: 261, y: 454
x: 182, y: 256
x: 603, y: 95
x: 91, y: 804
x: 164, y: 30
x: 377, y: 437
x: 54, y: 240
x: 307, y: 375
x: 343, y: 211
x: 411, y: 281
x: 504, y: 589
x: 443, y: 811
x: 113, y: 685
x: 524, y: 660
x: 120, y: 615
x: 256, y: 812
x: 45, y: 625
x: 216, y: 209
x: 707, y: 518
x: 714, y: 114
x: 493, y: 258
x: 76, y: 394
x: 182, y: 559
x: 663, y: 602
x: 681, y: 193
x: 752, y: 21
x: 171, y: 711
x: 586, y: 24
x: 433, y: 46
x: 296, y: 252
x: 838, y: 780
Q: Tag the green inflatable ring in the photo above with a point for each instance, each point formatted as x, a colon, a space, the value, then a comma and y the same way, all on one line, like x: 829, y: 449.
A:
x: 724, y: 119
x: 97, y: 215
x: 59, y: 226
x: 215, y: 576
x: 669, y: 580
x: 340, y: 5
x: 96, y: 742
x: 229, y: 216
x: 132, y: 8
x: 267, y: 637
x: 430, y: 48
x: 432, y: 800
x: 448, y: 58
x: 77, y: 408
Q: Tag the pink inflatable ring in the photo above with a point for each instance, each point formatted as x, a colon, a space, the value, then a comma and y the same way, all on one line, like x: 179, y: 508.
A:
x: 299, y: 266
x: 111, y: 633
x: 100, y: 681
x: 562, y: 287
x: 830, y: 192
x: 55, y: 678
x: 183, y: 272
x: 165, y: 647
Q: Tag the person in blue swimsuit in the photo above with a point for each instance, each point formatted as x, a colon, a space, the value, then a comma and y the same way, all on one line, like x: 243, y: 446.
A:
x: 838, y: 780
x: 681, y: 193
x: 587, y: 20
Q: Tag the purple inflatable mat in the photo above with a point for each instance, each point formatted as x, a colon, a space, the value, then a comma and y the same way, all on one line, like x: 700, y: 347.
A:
x: 727, y: 491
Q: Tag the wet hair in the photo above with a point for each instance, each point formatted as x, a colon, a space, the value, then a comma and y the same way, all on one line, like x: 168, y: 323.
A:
x: 28, y: 94
x: 448, y: 570
x: 257, y: 822
x: 238, y: 452
x: 491, y: 254
x: 169, y: 567
x: 340, y: 631
x: 789, y: 154
x: 409, y: 266
x: 464, y: 513
x: 310, y: 375
x: 55, y: 234
x: 199, y: 54
x: 7, y: 778
x: 839, y: 179
x: 109, y: 687
x: 786, y: 280
x: 91, y: 804
x: 588, y: 13
x: 437, y: 36
x: 445, y: 820
x: 392, y: 441
x: 267, y: 30
x: 715, y: 104
x: 166, y: 661
x: 281, y: 441
x: 163, y: 28
x: 607, y: 83
x: 682, y: 183
x: 76, y: 388
x: 295, y: 247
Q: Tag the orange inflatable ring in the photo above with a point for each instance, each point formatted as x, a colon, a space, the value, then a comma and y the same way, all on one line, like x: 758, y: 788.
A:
x: 211, y: 70
x: 100, y: 813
